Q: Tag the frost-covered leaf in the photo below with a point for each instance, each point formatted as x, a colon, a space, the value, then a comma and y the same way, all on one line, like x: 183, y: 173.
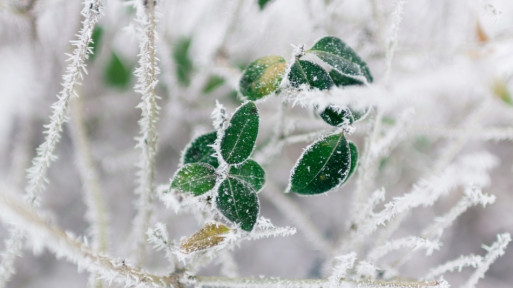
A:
x: 262, y: 77
x: 183, y: 62
x: 201, y: 150
x: 307, y: 73
x: 249, y: 172
x: 324, y: 165
x: 213, y: 83
x: 239, y: 138
x: 196, y: 178
x: 96, y: 38
x: 346, y: 63
x: 336, y: 116
x: 354, y: 158
x: 209, y: 236
x: 238, y: 202
x: 117, y: 73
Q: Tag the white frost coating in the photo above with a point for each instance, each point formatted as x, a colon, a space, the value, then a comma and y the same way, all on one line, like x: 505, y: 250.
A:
x: 158, y: 236
x: 455, y: 265
x: 473, y: 197
x: 497, y: 249
x: 470, y: 169
x: 63, y: 244
x: 344, y: 263
x: 36, y: 174
x: 394, y: 136
x: 397, y: 18
x: 146, y: 74
x: 412, y: 242
x: 366, y: 270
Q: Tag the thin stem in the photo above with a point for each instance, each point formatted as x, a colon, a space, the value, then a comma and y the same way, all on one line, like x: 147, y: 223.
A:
x: 204, y: 281
x: 302, y: 221
x: 147, y: 141
x: 96, y: 213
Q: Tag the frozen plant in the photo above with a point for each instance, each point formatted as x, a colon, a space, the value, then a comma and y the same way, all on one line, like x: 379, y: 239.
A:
x: 361, y: 155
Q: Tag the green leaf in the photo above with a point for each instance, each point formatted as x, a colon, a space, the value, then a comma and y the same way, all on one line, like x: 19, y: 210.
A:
x: 183, y: 62
x: 196, y: 178
x: 238, y: 202
x: 200, y: 150
x: 207, y: 237
x: 96, y: 38
x: 239, y: 138
x: 262, y: 77
x: 324, y: 165
x: 336, y: 116
x: 213, y: 83
x: 117, y: 74
x: 354, y: 159
x: 341, y: 80
x: 310, y: 74
x: 343, y: 59
x: 249, y: 172
x: 263, y: 3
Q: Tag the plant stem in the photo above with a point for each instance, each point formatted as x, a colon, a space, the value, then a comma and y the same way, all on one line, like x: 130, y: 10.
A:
x: 147, y: 141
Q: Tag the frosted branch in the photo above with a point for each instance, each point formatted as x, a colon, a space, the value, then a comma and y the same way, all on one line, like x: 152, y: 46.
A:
x: 303, y: 223
x: 36, y: 174
x: 146, y: 75
x: 397, y: 18
x: 497, y: 249
x: 455, y: 265
x: 344, y: 263
x: 412, y: 242
x: 473, y: 197
x: 63, y: 244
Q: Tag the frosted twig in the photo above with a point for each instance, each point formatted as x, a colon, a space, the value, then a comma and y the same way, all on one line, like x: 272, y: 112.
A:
x: 457, y: 264
x: 13, y: 246
x: 222, y: 282
x: 96, y: 212
x: 473, y: 196
x: 397, y: 18
x: 412, y: 242
x: 63, y: 244
x: 495, y: 251
x: 345, y: 263
x: 294, y: 213
x: 158, y: 236
x: 146, y: 75
x: 485, y: 134
x: 36, y: 174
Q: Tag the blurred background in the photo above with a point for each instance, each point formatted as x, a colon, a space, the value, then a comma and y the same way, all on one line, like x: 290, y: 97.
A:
x: 450, y: 58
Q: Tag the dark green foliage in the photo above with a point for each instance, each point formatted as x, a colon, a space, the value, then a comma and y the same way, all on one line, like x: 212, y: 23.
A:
x: 196, y: 178
x: 311, y: 74
x: 95, y: 44
x: 239, y: 138
x: 200, y: 150
x: 262, y: 77
x: 183, y: 62
x: 213, y: 83
x: 117, y: 73
x: 238, y: 202
x: 323, y: 166
x: 250, y: 173
x: 263, y: 3
x: 354, y: 158
x: 337, y: 116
